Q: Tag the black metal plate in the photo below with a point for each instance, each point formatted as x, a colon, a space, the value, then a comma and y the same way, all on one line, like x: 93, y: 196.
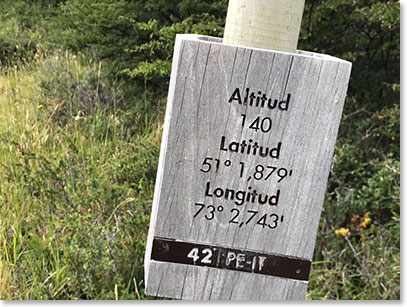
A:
x: 230, y: 259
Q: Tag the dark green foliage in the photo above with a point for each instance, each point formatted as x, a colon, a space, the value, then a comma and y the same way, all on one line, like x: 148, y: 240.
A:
x: 367, y: 33
x: 102, y: 29
x: 136, y: 37
x: 24, y: 26
x: 153, y: 56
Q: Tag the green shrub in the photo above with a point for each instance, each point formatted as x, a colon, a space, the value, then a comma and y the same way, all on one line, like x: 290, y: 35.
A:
x: 23, y: 29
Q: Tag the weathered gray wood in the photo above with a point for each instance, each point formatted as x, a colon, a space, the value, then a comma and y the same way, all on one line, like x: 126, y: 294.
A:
x: 205, y: 74
x: 200, y: 283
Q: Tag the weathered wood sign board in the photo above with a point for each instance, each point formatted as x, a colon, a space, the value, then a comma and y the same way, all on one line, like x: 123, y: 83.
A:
x: 246, y: 151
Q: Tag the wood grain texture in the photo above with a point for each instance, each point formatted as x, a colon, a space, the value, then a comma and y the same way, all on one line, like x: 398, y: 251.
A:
x: 205, y: 74
x: 196, y: 283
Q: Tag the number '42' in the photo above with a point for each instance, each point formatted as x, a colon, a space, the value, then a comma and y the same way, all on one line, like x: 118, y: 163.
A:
x: 206, y: 254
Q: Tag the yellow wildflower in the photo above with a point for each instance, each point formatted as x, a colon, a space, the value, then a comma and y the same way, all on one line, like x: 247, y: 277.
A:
x: 39, y: 106
x: 342, y: 231
x: 365, y: 220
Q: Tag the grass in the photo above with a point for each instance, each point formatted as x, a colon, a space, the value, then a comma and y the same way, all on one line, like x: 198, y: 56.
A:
x: 362, y: 267
x: 76, y: 186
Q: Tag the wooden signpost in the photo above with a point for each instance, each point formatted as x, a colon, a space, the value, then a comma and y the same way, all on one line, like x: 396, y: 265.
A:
x: 246, y: 152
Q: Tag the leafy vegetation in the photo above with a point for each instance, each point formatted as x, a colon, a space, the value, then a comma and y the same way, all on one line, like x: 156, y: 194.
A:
x: 83, y: 87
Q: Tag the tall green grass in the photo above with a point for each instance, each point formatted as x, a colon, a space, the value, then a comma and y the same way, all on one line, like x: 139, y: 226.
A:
x: 365, y: 266
x: 76, y: 184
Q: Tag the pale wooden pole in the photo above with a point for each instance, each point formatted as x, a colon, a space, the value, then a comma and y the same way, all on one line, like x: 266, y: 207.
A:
x: 268, y: 24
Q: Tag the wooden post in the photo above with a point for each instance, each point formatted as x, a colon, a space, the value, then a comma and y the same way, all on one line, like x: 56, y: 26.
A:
x: 245, y: 156
x: 268, y: 24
